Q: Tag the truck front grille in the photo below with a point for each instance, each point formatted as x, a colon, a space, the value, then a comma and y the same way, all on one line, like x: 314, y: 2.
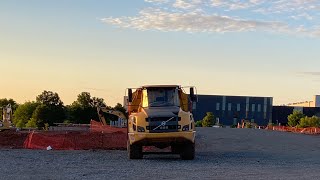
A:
x: 162, y: 119
x: 162, y: 125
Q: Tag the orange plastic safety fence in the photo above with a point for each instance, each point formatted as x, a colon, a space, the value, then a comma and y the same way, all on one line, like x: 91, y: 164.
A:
x: 12, y: 139
x: 98, y: 127
x: 76, y: 140
x: 310, y: 130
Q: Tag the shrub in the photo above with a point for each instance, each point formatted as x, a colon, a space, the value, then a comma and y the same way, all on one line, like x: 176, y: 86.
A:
x: 248, y: 125
x: 199, y: 123
x: 208, y: 120
x: 294, y: 118
x: 313, y: 121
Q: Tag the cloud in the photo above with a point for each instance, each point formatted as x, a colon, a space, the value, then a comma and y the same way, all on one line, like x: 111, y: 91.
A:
x: 236, y: 4
x: 264, y: 6
x: 156, y: 19
x: 184, y: 4
x: 299, y: 17
x: 310, y: 73
x: 157, y: 1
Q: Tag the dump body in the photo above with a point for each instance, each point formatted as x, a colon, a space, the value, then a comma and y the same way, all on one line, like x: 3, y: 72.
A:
x: 160, y: 116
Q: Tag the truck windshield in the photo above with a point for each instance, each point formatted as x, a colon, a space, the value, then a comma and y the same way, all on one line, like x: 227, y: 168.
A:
x: 159, y: 97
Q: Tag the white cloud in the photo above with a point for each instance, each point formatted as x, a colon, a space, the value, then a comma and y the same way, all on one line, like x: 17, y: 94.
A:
x: 282, y: 16
x: 235, y: 4
x: 184, y: 4
x: 156, y: 19
x: 302, y: 16
x: 157, y: 1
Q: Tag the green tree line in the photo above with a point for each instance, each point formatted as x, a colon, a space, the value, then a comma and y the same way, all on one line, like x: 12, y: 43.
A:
x: 49, y: 109
x: 298, y: 119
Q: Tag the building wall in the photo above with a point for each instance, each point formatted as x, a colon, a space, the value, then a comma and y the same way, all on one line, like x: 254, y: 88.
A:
x: 280, y: 113
x: 232, y: 109
x: 316, y: 100
x: 314, y: 103
x: 303, y: 104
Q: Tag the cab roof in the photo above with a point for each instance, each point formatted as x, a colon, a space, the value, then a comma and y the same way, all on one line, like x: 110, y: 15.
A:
x: 160, y: 86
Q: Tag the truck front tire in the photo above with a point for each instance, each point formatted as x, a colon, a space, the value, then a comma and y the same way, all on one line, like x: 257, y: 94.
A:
x: 134, y: 151
x: 187, y: 151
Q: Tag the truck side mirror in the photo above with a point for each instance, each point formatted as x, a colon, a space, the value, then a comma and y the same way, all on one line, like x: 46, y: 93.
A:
x: 192, y: 95
x: 130, y: 95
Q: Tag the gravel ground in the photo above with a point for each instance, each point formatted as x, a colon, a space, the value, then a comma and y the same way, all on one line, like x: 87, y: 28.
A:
x: 220, y: 154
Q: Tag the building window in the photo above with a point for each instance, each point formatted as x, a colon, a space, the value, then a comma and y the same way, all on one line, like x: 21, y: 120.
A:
x: 259, y: 107
x: 253, y: 107
x: 238, y: 107
x: 223, y: 103
x: 247, y: 104
x: 229, y: 106
x: 218, y: 106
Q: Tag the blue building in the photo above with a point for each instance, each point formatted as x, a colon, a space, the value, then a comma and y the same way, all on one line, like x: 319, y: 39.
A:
x: 230, y: 110
x: 280, y: 113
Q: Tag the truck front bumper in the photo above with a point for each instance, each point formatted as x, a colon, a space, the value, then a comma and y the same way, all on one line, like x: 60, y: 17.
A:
x: 172, y: 137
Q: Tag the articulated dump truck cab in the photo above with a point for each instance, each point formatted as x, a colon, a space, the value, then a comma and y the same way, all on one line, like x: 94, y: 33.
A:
x: 161, y: 116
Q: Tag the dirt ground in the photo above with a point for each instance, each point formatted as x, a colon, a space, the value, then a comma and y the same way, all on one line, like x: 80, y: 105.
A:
x: 220, y: 154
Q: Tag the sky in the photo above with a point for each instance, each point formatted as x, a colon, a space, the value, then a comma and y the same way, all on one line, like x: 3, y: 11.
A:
x: 230, y: 47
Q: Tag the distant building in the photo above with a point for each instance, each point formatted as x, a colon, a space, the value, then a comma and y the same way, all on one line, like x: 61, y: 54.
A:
x: 230, y: 110
x: 314, y: 103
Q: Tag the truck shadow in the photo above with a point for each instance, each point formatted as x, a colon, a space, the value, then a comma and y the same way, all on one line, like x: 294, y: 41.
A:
x: 206, y: 157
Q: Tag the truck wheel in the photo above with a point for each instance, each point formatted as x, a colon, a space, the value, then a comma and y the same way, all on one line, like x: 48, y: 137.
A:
x: 134, y: 151
x: 188, y: 151
x: 175, y: 149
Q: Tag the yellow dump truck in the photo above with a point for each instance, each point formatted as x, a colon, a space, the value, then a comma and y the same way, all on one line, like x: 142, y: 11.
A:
x: 161, y: 116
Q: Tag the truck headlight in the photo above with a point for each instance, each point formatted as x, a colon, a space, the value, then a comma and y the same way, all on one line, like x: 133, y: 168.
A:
x: 141, y: 129
x: 185, y: 128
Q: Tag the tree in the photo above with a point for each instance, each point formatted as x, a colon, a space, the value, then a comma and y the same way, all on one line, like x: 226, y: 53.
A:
x: 313, y: 121
x: 49, y: 98
x: 98, y: 102
x: 208, y: 120
x: 4, y: 102
x: 23, y: 113
x: 84, y: 108
x: 120, y: 108
x: 32, y: 123
x: 51, y: 109
x: 85, y: 100
x: 45, y: 114
x: 294, y: 118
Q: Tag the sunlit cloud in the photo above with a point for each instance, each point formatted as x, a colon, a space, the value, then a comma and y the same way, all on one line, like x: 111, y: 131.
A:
x: 156, y: 19
x: 298, y: 17
x: 310, y: 73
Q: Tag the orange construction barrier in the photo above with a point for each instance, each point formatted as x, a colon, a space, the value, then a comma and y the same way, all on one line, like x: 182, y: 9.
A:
x: 309, y: 130
x: 76, y: 140
x: 98, y: 127
x: 99, y: 137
